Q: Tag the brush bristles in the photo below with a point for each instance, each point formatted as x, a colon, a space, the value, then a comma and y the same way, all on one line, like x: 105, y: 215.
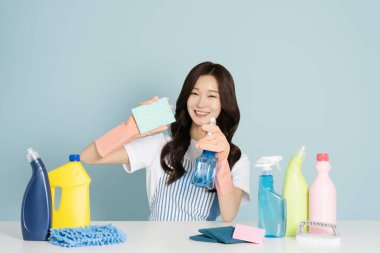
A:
x: 319, y: 239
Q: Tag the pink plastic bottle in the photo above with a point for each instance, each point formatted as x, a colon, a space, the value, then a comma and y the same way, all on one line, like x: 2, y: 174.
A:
x: 322, y: 196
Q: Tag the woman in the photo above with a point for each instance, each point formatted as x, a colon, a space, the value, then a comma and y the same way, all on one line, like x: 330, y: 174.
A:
x: 208, y: 92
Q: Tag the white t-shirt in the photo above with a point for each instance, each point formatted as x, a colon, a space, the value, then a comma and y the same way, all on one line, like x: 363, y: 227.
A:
x: 181, y: 200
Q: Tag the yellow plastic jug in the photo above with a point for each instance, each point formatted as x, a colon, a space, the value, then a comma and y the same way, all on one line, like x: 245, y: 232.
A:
x: 73, y: 209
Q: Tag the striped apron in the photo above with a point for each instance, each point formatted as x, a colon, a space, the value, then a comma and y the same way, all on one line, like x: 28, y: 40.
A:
x: 182, y: 201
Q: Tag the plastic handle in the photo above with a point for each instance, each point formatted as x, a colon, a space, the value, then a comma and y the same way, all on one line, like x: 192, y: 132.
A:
x: 316, y: 224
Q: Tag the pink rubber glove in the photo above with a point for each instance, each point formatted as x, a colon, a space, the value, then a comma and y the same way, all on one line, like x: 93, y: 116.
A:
x: 123, y: 134
x: 218, y: 143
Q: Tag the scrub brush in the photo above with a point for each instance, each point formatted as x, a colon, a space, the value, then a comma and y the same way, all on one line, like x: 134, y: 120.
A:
x: 331, y: 240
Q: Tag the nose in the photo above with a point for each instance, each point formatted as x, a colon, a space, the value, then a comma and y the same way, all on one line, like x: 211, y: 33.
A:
x: 202, y: 101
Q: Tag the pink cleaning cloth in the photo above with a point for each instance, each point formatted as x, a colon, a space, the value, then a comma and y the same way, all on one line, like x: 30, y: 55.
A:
x: 249, y: 234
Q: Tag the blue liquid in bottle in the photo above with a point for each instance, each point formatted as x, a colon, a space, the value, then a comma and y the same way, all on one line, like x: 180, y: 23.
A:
x: 205, y: 170
x: 36, y: 212
x: 272, y: 208
x: 205, y: 167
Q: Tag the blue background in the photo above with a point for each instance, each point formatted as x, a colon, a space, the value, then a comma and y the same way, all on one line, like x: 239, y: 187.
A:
x: 306, y: 73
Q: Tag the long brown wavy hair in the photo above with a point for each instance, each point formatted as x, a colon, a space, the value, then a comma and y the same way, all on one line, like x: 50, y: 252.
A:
x: 173, y: 152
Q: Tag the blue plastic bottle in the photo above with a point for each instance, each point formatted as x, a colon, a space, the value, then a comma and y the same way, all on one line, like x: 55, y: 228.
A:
x: 272, y: 207
x: 36, y: 209
x: 205, y: 168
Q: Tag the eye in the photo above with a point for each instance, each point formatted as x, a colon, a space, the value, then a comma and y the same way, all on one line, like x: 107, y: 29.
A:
x: 212, y: 96
x: 193, y: 93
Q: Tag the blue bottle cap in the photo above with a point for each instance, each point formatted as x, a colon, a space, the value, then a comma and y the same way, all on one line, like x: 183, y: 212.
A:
x: 208, y: 153
x: 74, y: 158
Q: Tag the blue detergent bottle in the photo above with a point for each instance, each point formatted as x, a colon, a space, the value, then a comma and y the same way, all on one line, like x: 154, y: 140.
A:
x: 36, y: 210
x: 205, y: 167
x: 272, y: 206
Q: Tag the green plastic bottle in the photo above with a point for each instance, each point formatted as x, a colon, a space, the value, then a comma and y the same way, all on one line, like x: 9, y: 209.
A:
x: 296, y: 193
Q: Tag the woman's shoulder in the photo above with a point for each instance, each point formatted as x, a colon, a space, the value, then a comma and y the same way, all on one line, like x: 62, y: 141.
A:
x: 158, y: 137
x: 149, y: 142
x: 161, y: 139
x: 242, y: 162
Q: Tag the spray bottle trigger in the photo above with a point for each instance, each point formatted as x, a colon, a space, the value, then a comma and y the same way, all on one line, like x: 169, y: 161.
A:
x: 269, y: 161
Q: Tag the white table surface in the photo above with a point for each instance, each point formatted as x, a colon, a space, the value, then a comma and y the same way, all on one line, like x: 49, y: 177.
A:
x: 145, y: 236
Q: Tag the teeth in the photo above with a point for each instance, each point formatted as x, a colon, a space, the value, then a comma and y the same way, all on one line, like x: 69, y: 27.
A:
x: 201, y: 113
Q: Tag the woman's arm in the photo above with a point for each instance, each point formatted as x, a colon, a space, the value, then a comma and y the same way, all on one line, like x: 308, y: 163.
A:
x: 90, y: 155
x: 229, y: 196
x: 229, y: 204
x: 109, y: 149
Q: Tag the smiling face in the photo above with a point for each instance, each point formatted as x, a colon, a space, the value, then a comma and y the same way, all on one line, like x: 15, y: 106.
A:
x: 204, y: 100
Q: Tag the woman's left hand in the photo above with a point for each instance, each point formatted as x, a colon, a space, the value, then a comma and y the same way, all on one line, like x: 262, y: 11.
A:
x: 216, y: 142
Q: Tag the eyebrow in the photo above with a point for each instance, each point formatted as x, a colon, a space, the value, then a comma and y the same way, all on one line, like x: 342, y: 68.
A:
x: 208, y: 90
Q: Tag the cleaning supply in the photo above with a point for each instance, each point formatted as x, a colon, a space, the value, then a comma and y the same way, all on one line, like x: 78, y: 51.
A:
x: 205, y: 167
x: 249, y: 234
x: 217, y: 142
x: 94, y: 235
x: 327, y: 239
x: 272, y: 207
x: 295, y: 191
x: 128, y: 130
x: 151, y: 116
x: 73, y: 208
x: 36, y: 205
x: 219, y: 234
x: 322, y: 196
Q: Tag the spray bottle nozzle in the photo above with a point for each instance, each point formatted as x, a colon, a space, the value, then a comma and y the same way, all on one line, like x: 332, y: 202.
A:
x: 213, y: 122
x: 301, y: 151
x: 32, y: 154
x: 266, y: 162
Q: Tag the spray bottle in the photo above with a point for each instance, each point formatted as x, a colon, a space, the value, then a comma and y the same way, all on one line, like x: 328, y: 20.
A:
x: 205, y: 167
x: 296, y: 193
x: 36, y: 210
x: 272, y: 207
x: 322, y: 196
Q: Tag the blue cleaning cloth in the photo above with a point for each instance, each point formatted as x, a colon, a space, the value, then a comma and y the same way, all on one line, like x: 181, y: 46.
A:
x: 220, y: 234
x: 203, y: 238
x: 86, y: 236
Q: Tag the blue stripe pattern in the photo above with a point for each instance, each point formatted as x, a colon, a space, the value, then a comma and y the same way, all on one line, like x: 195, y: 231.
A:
x: 182, y: 201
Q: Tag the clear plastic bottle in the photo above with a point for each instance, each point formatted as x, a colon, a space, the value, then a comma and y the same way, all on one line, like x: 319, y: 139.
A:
x: 272, y: 207
x: 322, y: 196
x: 205, y: 168
x: 36, y: 210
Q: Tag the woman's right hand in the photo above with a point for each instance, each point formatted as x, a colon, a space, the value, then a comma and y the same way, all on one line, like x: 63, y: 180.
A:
x: 108, y: 148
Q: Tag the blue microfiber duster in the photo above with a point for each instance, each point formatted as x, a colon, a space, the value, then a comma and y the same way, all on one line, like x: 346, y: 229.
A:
x: 86, y: 236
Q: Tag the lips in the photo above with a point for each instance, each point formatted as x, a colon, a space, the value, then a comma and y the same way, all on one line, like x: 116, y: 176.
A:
x: 201, y: 114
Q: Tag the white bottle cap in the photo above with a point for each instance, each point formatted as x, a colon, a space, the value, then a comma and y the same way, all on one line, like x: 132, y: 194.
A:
x: 32, y: 154
x: 213, y: 122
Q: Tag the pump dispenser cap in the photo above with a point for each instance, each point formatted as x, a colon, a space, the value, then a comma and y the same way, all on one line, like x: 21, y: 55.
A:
x: 322, y: 157
x: 74, y: 158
